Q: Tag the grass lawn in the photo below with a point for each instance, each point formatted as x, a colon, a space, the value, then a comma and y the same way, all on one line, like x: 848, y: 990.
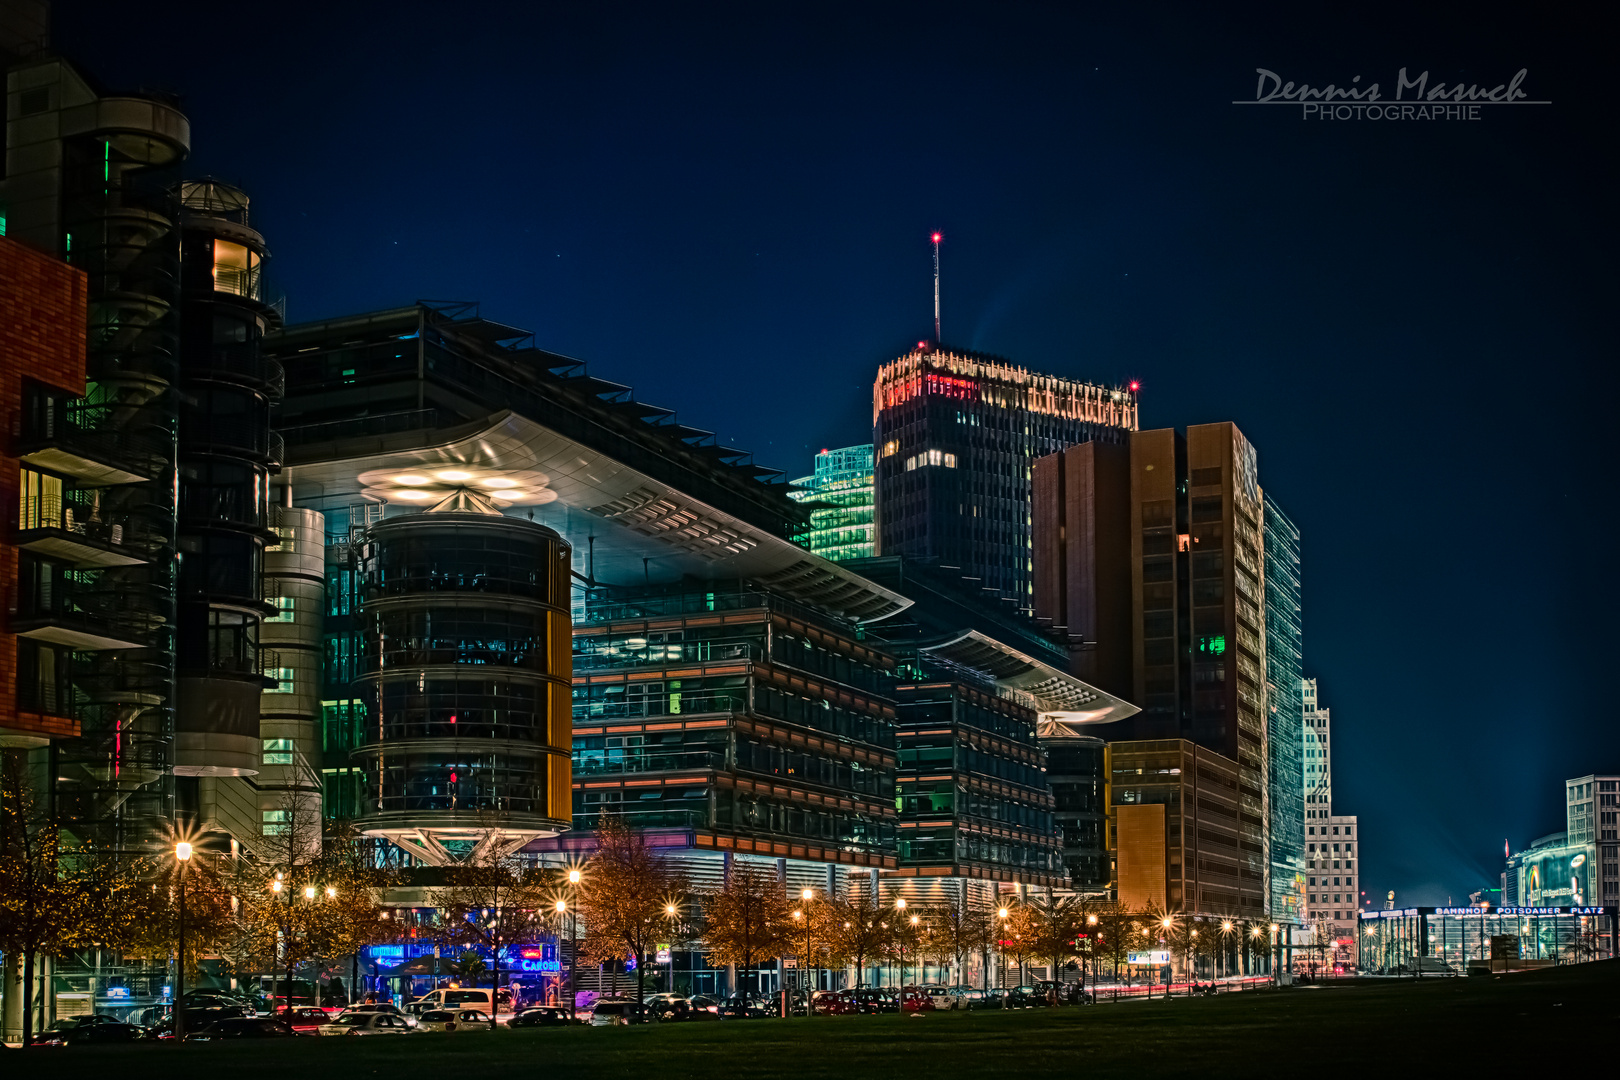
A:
x: 1379, y: 1029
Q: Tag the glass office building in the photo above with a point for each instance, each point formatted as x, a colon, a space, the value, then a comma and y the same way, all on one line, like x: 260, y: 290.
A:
x: 839, y: 496
x: 1285, y: 706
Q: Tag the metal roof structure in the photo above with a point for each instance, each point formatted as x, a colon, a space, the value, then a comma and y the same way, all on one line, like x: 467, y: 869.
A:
x: 1063, y: 702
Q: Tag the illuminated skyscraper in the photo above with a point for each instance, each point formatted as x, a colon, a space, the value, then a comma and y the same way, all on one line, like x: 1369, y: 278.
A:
x: 840, y: 497
x: 1284, y: 779
x: 956, y: 434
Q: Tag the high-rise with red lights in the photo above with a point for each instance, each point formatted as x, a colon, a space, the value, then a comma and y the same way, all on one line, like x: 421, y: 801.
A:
x: 955, y: 435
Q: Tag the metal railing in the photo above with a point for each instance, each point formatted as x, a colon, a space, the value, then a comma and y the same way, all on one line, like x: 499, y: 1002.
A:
x: 673, y: 703
x: 644, y: 759
x: 78, y: 516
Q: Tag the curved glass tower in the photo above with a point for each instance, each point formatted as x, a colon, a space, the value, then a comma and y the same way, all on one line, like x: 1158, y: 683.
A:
x: 466, y: 675
x: 226, y: 456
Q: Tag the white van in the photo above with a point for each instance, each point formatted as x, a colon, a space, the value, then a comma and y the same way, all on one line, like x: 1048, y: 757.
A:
x: 469, y: 998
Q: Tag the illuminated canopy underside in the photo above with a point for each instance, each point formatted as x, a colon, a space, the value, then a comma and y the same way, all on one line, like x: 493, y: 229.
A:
x: 1064, y: 702
x: 625, y: 527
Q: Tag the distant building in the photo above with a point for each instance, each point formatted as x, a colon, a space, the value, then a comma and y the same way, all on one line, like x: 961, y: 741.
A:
x: 1331, y: 896
x: 1315, y: 765
x: 956, y: 434
x: 1285, y: 789
x: 1592, y: 809
x: 839, y: 495
x: 986, y: 716
x: 1177, y: 816
x: 41, y: 357
x: 1154, y: 555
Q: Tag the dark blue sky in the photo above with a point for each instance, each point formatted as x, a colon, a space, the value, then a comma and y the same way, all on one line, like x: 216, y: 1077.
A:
x: 728, y: 207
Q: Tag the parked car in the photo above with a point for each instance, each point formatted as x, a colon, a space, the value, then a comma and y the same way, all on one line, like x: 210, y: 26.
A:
x: 453, y: 1020
x: 913, y: 1000
x: 866, y: 1001
x: 355, y: 1022
x: 610, y: 1012
x: 471, y: 997
x: 706, y: 1003
x: 822, y: 1002
x: 80, y: 1034
x: 243, y: 1027
x: 303, y: 1019
x: 968, y: 997
x: 1426, y: 965
x: 102, y: 1034
x: 196, y: 1020
x: 57, y: 1033
x: 543, y: 1016
x: 386, y: 1008
x: 747, y: 1007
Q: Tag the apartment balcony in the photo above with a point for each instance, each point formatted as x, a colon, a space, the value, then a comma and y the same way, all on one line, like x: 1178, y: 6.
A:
x: 73, y: 530
x: 79, y: 440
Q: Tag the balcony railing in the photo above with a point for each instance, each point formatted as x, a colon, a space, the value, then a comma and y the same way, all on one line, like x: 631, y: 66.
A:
x: 237, y: 280
x: 644, y: 759
x: 674, y: 703
x: 79, y: 516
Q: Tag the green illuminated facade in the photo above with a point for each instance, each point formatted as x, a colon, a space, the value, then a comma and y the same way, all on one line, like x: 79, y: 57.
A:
x: 1284, y: 661
x: 840, y: 497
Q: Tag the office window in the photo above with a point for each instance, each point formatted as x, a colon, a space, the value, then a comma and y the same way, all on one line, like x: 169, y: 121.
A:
x: 284, y: 609
x: 278, y: 752
x: 284, y: 680
x: 273, y: 822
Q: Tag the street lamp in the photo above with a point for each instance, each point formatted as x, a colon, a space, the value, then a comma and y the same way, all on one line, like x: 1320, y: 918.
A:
x: 573, y: 944
x: 182, y: 855
x: 1001, y: 973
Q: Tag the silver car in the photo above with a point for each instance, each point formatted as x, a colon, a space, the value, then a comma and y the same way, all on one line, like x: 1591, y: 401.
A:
x: 366, y: 1023
x: 453, y: 1020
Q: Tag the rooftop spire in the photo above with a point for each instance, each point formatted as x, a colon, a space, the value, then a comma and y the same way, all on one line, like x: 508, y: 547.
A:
x: 463, y: 501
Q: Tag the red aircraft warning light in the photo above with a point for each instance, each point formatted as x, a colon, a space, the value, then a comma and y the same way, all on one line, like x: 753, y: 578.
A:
x: 1135, y: 386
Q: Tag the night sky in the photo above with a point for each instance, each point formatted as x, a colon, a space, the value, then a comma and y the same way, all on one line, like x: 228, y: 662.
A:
x: 728, y: 208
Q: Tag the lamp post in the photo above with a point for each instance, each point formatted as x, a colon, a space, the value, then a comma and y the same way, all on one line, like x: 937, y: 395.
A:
x: 573, y: 945
x: 1276, y: 955
x: 1165, y: 925
x: 1001, y: 971
x: 811, y: 981
x: 1226, y: 934
x: 900, y: 909
x: 182, y: 856
x: 1091, y: 948
x: 670, y: 912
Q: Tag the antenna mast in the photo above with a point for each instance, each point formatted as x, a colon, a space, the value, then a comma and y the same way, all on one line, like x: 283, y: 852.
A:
x: 936, y: 239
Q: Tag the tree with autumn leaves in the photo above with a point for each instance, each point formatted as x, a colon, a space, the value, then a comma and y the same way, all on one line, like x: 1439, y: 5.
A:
x: 629, y: 897
x: 58, y: 892
x: 747, y: 919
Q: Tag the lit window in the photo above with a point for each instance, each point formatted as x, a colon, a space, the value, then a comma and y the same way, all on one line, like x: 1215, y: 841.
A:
x: 284, y: 609
x: 284, y: 680
x: 273, y: 822
x: 236, y: 269
x: 891, y: 448
x: 278, y: 752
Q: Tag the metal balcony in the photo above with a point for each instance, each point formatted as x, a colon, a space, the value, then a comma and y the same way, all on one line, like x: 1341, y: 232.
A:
x: 75, y: 531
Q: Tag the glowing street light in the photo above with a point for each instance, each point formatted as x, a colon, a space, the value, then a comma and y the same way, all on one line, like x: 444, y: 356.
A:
x: 182, y: 856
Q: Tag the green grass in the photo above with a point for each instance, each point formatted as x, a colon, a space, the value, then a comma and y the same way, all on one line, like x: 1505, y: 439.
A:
x: 1441, y: 1027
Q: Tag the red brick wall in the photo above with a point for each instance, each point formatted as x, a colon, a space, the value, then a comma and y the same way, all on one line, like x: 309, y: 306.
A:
x: 42, y: 321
